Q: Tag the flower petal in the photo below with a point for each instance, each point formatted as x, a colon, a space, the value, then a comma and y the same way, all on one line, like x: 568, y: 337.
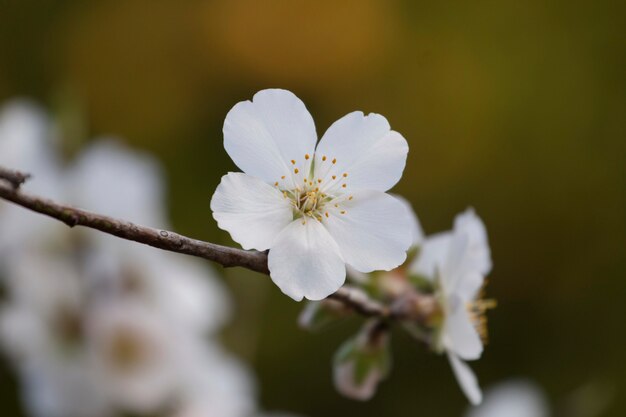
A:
x: 373, y: 230
x: 460, y: 272
x: 416, y: 227
x: 480, y: 254
x: 305, y: 261
x: 253, y: 212
x: 262, y: 136
x: 459, y: 334
x: 466, y: 378
x: 432, y: 255
x: 364, y: 148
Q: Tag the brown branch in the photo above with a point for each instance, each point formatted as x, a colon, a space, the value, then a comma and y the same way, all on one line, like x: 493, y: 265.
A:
x: 166, y: 240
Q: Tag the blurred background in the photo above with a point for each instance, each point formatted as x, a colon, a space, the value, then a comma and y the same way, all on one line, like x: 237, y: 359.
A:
x: 515, y: 108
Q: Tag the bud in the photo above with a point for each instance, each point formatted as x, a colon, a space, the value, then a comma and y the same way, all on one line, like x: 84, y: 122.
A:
x: 318, y: 315
x: 362, y: 362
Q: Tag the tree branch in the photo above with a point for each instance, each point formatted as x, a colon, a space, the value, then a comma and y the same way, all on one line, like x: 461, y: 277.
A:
x: 165, y: 240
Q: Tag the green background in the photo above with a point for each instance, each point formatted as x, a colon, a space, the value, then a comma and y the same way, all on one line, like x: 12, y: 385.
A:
x: 515, y: 108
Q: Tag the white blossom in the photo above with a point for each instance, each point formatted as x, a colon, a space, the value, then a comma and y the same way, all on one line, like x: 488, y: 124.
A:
x: 458, y: 262
x: 316, y: 206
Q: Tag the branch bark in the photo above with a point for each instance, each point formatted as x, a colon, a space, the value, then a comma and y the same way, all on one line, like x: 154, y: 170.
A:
x: 165, y: 240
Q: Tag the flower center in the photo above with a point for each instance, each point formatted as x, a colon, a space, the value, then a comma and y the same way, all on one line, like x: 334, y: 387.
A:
x: 477, y: 310
x: 314, y: 188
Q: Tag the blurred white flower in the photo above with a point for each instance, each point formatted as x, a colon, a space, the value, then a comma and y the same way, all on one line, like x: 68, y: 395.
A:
x: 515, y: 398
x: 26, y: 144
x: 112, y: 179
x: 217, y: 385
x: 457, y: 262
x: 63, y: 389
x: 42, y: 317
x: 94, y: 324
x: 317, y: 207
x: 136, y: 354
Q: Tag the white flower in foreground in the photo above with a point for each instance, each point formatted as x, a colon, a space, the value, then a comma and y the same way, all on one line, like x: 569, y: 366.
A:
x: 517, y: 398
x: 458, y: 262
x: 317, y: 208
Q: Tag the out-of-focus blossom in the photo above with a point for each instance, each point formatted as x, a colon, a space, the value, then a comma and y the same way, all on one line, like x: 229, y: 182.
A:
x: 136, y: 353
x: 119, y: 182
x: 457, y: 263
x: 94, y: 325
x: 317, y: 206
x: 515, y: 398
x: 26, y: 144
x: 225, y: 391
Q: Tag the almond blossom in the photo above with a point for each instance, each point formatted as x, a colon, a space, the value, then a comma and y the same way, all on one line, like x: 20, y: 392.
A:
x: 317, y: 206
x: 458, y: 262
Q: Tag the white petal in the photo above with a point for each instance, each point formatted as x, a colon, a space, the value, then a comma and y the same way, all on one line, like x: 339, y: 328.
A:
x: 459, y: 334
x: 466, y: 378
x: 432, y: 255
x: 119, y: 182
x: 305, y: 261
x: 262, y: 136
x: 461, y: 272
x: 416, y: 228
x: 252, y: 211
x: 480, y: 254
x: 366, y: 149
x: 374, y: 233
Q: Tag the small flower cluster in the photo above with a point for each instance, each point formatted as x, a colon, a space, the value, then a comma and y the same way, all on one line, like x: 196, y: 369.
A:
x: 441, y: 289
x: 95, y: 326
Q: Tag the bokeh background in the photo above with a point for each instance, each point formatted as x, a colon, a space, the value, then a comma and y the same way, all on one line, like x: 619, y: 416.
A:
x: 515, y: 108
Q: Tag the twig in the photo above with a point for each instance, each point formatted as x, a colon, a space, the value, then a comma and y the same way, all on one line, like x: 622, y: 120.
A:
x: 166, y: 240
x: 15, y: 178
